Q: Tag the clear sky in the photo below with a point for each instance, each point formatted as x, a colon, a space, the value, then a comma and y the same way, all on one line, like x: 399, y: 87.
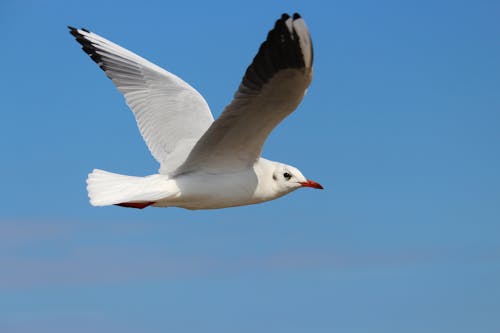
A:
x: 401, y: 125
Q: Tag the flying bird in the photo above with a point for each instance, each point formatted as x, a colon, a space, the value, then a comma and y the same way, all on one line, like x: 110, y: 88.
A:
x: 206, y: 164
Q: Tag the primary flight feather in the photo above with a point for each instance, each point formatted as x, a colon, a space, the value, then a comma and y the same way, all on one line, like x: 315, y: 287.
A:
x: 206, y: 164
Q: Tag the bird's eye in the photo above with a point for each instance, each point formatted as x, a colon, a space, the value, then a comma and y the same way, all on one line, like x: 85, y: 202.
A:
x: 287, y: 176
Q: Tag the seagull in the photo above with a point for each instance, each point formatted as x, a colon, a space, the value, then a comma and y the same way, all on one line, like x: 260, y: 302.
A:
x: 206, y: 164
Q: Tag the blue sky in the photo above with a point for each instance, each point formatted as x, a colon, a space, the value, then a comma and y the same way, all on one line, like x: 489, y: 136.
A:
x: 401, y: 125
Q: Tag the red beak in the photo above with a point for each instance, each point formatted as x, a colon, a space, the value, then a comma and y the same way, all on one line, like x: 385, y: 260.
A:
x: 310, y: 183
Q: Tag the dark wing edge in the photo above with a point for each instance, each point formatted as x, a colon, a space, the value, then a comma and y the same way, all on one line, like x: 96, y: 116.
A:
x: 288, y: 45
x: 87, y: 46
x: 101, y: 52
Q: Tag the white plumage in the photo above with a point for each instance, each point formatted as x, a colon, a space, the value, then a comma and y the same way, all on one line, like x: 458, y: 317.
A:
x: 206, y: 164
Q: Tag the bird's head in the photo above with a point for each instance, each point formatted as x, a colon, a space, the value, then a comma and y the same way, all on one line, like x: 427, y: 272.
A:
x: 288, y: 178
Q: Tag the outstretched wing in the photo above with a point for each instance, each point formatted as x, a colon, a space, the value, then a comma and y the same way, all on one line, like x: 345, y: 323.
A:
x: 171, y: 115
x: 273, y: 86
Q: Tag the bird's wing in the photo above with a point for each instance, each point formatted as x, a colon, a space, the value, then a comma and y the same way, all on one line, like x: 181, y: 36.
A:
x: 271, y: 89
x: 171, y: 115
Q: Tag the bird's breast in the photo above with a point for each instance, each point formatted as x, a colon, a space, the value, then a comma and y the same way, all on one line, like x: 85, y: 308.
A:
x: 210, y: 191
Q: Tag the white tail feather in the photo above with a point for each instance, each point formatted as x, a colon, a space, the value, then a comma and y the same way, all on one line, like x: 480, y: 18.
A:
x: 107, y: 188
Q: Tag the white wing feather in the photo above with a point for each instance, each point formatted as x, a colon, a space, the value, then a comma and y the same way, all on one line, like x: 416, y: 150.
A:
x: 273, y: 86
x: 171, y: 115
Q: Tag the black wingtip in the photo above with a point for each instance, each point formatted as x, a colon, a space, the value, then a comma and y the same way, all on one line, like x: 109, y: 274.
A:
x: 74, y: 31
x: 86, y: 44
x: 281, y: 50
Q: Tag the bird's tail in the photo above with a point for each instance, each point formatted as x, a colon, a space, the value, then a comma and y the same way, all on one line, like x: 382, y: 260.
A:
x: 107, y: 188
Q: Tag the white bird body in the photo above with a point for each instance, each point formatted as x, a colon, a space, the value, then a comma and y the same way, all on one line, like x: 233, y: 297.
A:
x: 206, y: 164
x: 195, y: 190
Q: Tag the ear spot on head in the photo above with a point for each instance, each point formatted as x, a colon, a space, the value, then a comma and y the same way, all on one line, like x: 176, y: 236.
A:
x: 274, y: 177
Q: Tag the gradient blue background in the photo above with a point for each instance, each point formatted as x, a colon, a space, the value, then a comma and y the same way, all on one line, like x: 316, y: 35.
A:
x: 401, y: 125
